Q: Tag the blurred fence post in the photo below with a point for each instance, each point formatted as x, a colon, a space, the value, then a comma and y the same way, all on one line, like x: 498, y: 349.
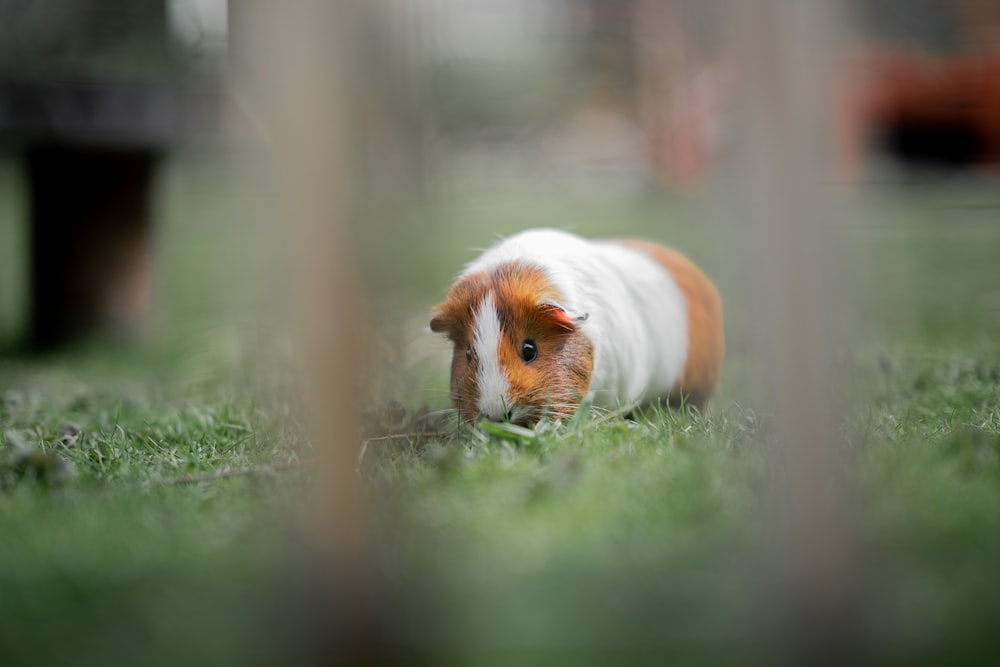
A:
x: 785, y: 58
x: 306, y: 54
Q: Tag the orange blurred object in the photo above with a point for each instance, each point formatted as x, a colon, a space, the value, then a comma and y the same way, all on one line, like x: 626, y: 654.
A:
x: 942, y: 110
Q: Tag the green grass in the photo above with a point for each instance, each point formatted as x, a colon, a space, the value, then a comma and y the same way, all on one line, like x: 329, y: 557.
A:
x: 601, y: 541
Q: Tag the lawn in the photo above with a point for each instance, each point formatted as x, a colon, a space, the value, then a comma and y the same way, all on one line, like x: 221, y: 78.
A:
x: 126, y: 539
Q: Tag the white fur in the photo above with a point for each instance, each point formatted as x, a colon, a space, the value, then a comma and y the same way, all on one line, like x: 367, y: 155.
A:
x: 637, y: 315
x: 491, y: 380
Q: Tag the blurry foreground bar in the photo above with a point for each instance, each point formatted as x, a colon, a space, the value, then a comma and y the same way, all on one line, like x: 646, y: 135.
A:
x: 303, y: 58
x: 94, y: 94
x: 786, y: 212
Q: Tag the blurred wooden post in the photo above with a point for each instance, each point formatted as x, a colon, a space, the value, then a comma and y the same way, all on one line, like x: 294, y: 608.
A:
x: 784, y: 56
x: 307, y: 54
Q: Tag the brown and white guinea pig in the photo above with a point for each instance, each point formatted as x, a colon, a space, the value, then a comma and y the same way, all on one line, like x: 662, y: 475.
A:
x: 545, y: 318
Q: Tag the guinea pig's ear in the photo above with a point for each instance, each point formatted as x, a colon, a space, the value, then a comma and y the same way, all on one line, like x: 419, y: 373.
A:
x: 444, y: 322
x: 556, y: 316
x: 441, y: 323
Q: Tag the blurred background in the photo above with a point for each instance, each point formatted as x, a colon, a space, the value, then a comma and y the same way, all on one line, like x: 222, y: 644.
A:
x: 145, y: 233
x: 127, y: 126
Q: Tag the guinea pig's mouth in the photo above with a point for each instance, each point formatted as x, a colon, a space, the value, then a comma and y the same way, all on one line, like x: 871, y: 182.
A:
x: 527, y: 415
x: 518, y: 415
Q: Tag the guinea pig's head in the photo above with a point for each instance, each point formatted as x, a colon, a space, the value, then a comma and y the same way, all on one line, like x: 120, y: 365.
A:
x: 518, y: 354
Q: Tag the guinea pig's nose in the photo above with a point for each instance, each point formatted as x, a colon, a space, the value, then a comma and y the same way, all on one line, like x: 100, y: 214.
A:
x: 499, y: 417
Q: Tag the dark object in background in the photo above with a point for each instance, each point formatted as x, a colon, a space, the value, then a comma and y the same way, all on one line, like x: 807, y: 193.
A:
x: 926, y: 87
x: 941, y: 111
x: 94, y: 94
x: 952, y: 144
x: 90, y: 238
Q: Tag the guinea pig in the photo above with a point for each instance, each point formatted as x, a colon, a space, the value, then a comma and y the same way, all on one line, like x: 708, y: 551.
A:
x: 545, y: 318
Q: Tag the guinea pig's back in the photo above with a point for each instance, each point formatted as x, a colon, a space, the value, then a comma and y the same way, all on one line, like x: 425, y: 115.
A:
x: 706, y: 341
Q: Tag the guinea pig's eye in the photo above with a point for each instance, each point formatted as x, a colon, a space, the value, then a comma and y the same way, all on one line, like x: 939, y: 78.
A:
x: 468, y: 355
x: 529, y: 350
